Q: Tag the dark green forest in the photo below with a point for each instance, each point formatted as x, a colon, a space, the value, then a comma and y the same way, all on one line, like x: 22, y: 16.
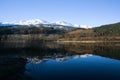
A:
x: 108, y: 30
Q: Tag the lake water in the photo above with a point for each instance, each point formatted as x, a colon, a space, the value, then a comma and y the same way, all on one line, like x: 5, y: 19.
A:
x: 59, y: 61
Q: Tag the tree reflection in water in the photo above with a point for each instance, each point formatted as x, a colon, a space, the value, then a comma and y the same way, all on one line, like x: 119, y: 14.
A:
x: 53, y: 55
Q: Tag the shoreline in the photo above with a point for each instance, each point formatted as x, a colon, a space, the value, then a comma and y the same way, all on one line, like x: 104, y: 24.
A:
x: 87, y: 41
x: 84, y: 41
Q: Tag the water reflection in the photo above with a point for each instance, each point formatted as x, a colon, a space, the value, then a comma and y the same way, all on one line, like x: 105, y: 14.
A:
x: 54, y: 61
x: 58, y: 58
x: 75, y: 68
x: 42, y: 49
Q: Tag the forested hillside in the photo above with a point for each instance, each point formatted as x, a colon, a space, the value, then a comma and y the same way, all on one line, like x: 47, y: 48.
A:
x: 11, y: 33
x: 108, y: 32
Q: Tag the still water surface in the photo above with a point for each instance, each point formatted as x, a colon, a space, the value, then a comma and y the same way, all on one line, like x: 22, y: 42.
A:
x: 59, y: 61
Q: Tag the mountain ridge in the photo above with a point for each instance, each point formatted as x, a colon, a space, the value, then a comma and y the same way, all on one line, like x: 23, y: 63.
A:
x: 58, y: 32
x: 39, y: 22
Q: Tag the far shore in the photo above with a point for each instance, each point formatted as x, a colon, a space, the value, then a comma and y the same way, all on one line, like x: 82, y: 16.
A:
x: 87, y: 41
x: 63, y: 41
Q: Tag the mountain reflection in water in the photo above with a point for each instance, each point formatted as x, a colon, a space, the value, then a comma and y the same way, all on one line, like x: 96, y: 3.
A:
x: 75, y: 68
x: 36, y: 60
x: 59, y: 61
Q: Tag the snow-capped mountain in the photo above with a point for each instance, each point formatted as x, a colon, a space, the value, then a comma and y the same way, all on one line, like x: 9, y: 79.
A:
x: 30, y: 22
x: 82, y: 26
x: 63, y: 23
x: 37, y: 22
x: 85, y: 26
x: 76, y: 25
x: 6, y: 24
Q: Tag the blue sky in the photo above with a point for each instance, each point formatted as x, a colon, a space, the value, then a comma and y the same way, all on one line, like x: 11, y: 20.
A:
x: 89, y: 12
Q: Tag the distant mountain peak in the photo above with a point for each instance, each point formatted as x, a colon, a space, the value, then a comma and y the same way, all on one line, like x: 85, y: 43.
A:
x: 64, y: 23
x: 31, y: 22
x: 28, y: 22
x: 36, y: 22
x: 76, y: 25
x: 85, y: 26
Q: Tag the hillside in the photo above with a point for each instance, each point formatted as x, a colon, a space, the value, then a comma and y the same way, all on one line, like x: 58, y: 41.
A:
x: 109, y: 32
x: 10, y: 33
